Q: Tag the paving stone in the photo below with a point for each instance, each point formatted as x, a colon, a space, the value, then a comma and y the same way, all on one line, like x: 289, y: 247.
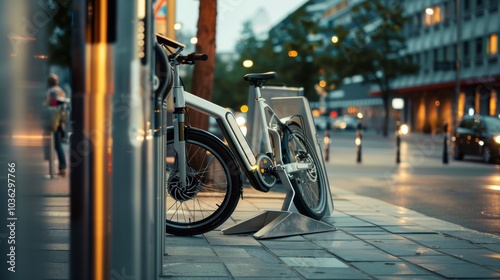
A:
x: 331, y: 273
x: 461, y: 271
x: 331, y: 235
x: 439, y: 259
x: 289, y: 245
x: 343, y: 244
x: 232, y: 251
x: 197, y: 240
x: 383, y: 236
x: 313, y: 262
x: 265, y: 270
x: 195, y: 269
x: 406, y: 229
x: 368, y: 230
x: 406, y: 250
x: 318, y: 253
x: 390, y: 268
x: 217, y: 238
x: 263, y: 255
x: 171, y: 259
x: 357, y: 255
x: 478, y: 256
x: 474, y: 236
x: 190, y: 251
x: 410, y: 277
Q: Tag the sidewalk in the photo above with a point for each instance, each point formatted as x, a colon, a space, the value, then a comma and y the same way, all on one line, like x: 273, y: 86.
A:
x: 372, y: 240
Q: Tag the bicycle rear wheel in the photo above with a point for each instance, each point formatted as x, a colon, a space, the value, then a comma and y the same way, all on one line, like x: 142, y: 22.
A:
x: 310, y: 188
x: 213, y: 184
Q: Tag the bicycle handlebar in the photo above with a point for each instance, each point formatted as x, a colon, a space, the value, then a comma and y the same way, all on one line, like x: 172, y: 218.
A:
x: 191, y: 58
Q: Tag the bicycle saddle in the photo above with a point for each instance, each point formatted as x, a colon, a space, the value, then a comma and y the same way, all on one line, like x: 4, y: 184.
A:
x: 259, y: 78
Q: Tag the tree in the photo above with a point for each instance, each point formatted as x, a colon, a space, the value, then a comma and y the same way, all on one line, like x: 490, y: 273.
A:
x: 372, y: 46
x: 59, y: 30
x: 203, y: 73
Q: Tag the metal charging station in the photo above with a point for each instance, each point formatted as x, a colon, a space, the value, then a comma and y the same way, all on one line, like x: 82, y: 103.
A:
x: 287, y: 221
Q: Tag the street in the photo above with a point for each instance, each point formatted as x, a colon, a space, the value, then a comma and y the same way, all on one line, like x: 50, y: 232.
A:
x: 465, y: 192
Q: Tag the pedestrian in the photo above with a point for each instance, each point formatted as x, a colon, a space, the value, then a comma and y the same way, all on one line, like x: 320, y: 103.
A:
x: 56, y: 101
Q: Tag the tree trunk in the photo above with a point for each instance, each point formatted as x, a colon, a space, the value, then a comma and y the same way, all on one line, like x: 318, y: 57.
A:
x: 204, y: 71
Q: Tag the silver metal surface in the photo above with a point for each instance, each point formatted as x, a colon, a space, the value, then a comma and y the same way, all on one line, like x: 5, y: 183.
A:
x: 274, y: 224
x: 287, y: 222
x: 299, y: 105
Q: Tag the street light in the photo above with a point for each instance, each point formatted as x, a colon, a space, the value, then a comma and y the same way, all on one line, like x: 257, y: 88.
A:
x: 335, y: 39
x: 247, y: 63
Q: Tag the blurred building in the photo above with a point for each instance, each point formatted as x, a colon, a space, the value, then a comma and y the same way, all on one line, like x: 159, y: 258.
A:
x: 434, y: 33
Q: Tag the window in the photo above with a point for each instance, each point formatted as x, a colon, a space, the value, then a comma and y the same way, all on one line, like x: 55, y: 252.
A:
x: 466, y: 9
x: 492, y: 47
x: 433, y: 15
x: 466, y: 54
x: 493, y: 5
x: 479, y: 51
x: 479, y: 7
x: 417, y: 23
x: 479, y: 46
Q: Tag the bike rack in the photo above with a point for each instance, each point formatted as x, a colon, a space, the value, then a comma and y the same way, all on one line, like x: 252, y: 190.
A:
x: 288, y: 222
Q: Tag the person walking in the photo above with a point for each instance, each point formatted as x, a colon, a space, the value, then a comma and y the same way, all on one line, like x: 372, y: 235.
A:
x: 56, y: 101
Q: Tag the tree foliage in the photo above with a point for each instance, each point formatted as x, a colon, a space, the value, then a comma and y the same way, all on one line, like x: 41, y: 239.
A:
x: 372, y: 46
x: 59, y: 32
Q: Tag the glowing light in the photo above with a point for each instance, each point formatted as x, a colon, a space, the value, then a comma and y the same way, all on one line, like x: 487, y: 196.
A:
x: 360, y: 115
x: 429, y: 11
x: 247, y: 63
x: 240, y: 120
x: 357, y: 141
x: 177, y: 26
x: 335, y: 39
x: 497, y: 139
x: 293, y: 53
x: 404, y: 129
x: 494, y: 187
x: 437, y: 103
x: 244, y: 108
x: 322, y: 83
x: 194, y: 40
x: 481, y: 143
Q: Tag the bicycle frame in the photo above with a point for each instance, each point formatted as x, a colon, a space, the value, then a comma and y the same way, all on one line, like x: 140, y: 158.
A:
x: 237, y: 142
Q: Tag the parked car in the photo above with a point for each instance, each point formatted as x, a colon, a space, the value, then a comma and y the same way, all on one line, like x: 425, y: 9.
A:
x: 345, y: 122
x: 478, y: 135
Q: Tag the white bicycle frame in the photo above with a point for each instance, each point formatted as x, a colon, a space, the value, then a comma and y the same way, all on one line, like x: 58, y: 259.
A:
x: 227, y: 122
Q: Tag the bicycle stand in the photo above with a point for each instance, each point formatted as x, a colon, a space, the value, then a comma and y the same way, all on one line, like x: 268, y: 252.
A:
x: 274, y: 223
x: 288, y: 222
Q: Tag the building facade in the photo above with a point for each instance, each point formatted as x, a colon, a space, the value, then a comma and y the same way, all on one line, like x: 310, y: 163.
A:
x: 440, y: 35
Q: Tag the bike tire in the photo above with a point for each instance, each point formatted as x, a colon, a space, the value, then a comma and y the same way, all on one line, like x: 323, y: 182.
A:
x: 214, y: 184
x: 309, y: 185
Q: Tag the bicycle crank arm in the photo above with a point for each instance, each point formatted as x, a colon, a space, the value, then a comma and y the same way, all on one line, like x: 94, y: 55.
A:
x: 293, y: 167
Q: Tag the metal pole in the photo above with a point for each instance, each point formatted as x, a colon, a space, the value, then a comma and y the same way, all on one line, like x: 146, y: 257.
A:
x: 458, y: 21
x: 445, y: 143
x: 359, y: 138
x: 398, y: 142
x: 91, y: 148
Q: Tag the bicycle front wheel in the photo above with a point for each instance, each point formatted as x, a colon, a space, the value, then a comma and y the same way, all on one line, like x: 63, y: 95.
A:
x: 213, y: 184
x: 310, y: 188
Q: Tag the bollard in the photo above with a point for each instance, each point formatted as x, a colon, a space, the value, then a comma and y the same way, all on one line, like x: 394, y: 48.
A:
x: 398, y: 142
x: 326, y: 143
x: 50, y: 151
x: 445, y: 143
x: 326, y: 146
x: 359, y: 138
